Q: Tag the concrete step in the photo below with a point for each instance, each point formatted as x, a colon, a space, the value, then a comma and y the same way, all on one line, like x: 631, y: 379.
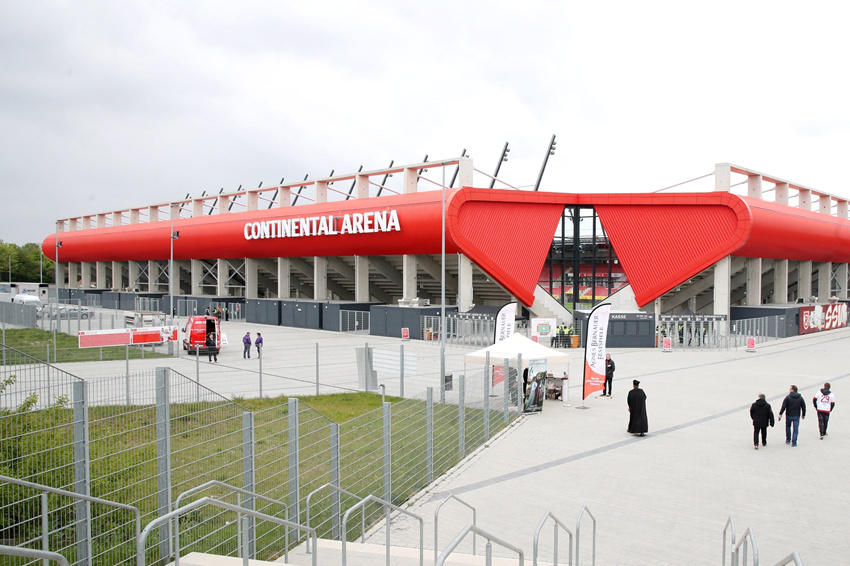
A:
x: 202, y: 559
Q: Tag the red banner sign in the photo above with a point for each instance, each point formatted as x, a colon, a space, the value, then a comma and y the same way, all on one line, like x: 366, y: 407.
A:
x: 823, y: 317
x: 127, y: 336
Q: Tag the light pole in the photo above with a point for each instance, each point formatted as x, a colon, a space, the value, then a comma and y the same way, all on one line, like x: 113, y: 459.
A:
x: 443, y: 280
x: 174, y: 235
x: 55, y: 317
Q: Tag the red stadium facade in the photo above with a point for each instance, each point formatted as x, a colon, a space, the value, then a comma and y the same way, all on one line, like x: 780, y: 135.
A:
x: 661, y: 240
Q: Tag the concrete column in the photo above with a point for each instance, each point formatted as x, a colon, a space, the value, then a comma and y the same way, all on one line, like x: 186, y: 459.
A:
x: 804, y: 281
x: 824, y: 281
x: 692, y: 303
x: 754, y: 186
x: 197, y: 277
x: 841, y: 276
x: 722, y: 289
x: 133, y: 275
x: 320, y: 278
x: 251, y: 278
x: 780, y: 281
x: 73, y: 275
x: 252, y: 200
x: 152, y: 273
x: 361, y: 279
x: 409, y: 277
x: 100, y: 275
x: 754, y: 281
x: 222, y: 205
x: 464, y: 283
x: 284, y: 278
x: 842, y: 209
x: 361, y: 263
x: 781, y: 193
x: 222, y: 275
x: 465, y: 171
x: 153, y: 214
x: 723, y: 177
x: 118, y: 275
x: 657, y: 308
x: 85, y: 275
x: 197, y: 207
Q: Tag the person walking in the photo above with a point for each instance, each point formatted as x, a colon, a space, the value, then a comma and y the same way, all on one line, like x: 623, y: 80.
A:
x: 824, y: 403
x: 636, y: 400
x: 762, y: 415
x: 246, y: 342
x: 259, y: 344
x: 796, y: 407
x: 211, y: 349
x: 609, y: 375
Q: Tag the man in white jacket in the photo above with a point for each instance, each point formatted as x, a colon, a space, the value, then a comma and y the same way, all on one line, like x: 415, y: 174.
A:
x: 824, y: 403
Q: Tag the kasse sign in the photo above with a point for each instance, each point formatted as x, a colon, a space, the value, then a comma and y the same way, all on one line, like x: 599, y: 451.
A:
x: 329, y: 225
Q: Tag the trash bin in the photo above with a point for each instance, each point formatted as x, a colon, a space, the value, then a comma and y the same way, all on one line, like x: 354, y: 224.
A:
x: 574, y: 341
x: 448, y: 382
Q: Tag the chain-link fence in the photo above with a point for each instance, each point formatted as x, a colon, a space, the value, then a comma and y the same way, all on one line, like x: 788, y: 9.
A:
x: 143, y: 439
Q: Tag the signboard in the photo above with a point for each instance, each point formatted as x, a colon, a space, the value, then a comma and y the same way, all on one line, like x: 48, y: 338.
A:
x: 594, y: 352
x: 127, y: 336
x: 536, y: 386
x: 543, y: 327
x: 498, y: 374
x: 815, y: 318
x: 405, y: 334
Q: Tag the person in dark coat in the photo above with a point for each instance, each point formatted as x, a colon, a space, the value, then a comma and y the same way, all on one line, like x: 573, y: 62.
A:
x: 796, y: 407
x: 211, y: 349
x: 638, y: 423
x: 762, y: 416
x: 609, y: 375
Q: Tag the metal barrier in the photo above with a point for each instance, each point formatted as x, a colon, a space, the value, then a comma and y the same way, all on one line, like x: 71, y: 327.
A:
x: 729, y: 526
x: 356, y: 322
x: 31, y: 553
x: 791, y: 558
x: 736, y: 551
x: 578, y: 534
x: 467, y: 329
x: 387, y: 506
x: 437, y: 522
x: 488, y: 556
x: 240, y: 511
x: 338, y: 490
x: 557, y: 524
x: 83, y: 530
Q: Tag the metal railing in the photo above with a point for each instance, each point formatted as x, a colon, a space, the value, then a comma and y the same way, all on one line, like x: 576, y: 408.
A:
x: 737, y: 550
x: 437, y: 522
x: 83, y: 533
x: 338, y: 490
x: 488, y: 556
x: 578, y: 534
x: 728, y: 527
x: 241, y: 511
x: 32, y: 553
x: 557, y: 523
x: 387, y: 506
x: 791, y: 558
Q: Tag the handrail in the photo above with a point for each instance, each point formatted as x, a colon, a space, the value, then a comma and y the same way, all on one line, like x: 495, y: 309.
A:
x: 238, y: 490
x: 140, y: 544
x: 793, y: 557
x: 437, y: 524
x: 537, y: 536
x: 578, y: 534
x: 729, y: 523
x: 71, y: 494
x: 337, y: 488
x: 735, y: 554
x: 33, y: 553
x: 470, y: 528
x: 387, y: 505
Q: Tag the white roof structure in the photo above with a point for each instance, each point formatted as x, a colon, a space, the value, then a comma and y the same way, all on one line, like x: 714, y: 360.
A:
x: 515, y: 345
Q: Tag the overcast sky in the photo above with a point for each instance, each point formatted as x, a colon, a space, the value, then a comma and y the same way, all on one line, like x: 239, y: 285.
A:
x: 107, y: 105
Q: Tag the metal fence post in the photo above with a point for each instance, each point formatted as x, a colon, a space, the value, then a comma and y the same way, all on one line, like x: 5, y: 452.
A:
x: 335, y: 480
x: 81, y: 472
x: 487, y: 397
x: 260, y: 366
x: 127, y: 360
x: 461, y: 417
x: 317, y: 369
x: 163, y: 456
x: 507, y: 388
x: 248, y: 479
x: 519, y: 392
x: 401, y: 370
x: 429, y: 435
x: 197, y: 374
x: 294, y: 488
x: 388, y: 479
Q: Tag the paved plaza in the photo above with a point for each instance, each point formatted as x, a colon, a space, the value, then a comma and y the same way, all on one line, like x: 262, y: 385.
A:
x: 662, y: 499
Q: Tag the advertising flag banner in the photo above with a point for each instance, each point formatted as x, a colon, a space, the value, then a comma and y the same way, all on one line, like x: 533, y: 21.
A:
x: 505, y: 322
x: 594, y: 352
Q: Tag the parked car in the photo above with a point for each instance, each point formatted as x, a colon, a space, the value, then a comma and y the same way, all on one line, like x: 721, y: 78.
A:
x: 72, y: 312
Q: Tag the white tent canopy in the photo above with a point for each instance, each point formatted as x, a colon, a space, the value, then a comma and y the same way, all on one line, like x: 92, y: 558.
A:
x: 512, y: 347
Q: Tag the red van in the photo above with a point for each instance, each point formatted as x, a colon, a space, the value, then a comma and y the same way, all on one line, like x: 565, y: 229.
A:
x: 196, y: 332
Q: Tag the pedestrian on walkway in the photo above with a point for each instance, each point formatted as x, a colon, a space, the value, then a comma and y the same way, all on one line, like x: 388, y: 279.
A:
x: 796, y: 407
x: 211, y: 349
x: 259, y: 344
x: 824, y: 403
x: 636, y: 400
x: 609, y: 375
x: 246, y: 342
x: 762, y: 415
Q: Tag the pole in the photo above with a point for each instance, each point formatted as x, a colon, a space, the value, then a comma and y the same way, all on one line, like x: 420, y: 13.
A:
x: 443, y: 278
x: 171, y: 275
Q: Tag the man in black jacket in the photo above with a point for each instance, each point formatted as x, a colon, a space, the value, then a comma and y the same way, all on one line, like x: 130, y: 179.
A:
x: 762, y: 415
x: 796, y: 407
